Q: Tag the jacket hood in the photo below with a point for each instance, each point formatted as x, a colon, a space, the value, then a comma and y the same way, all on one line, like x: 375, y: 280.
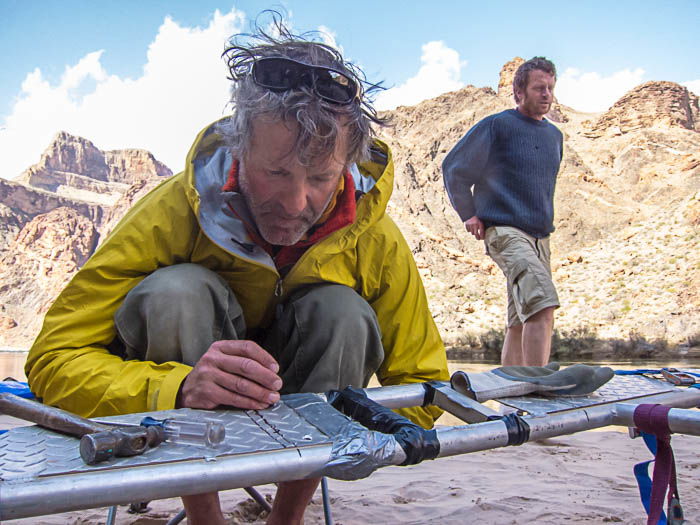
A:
x: 206, y: 171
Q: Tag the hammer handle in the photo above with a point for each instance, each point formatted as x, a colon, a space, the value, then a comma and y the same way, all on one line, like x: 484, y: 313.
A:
x: 48, y: 416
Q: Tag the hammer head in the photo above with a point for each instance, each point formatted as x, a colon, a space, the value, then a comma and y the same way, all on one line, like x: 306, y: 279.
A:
x: 121, y: 441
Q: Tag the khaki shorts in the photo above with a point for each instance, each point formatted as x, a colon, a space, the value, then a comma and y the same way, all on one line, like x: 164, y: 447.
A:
x: 525, y: 262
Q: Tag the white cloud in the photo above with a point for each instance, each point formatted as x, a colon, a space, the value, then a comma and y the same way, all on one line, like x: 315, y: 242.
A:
x: 693, y: 85
x: 439, y: 72
x: 328, y: 37
x: 183, y: 87
x: 594, y: 92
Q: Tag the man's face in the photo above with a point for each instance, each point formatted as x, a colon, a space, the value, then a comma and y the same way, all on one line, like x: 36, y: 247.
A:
x: 286, y: 197
x: 536, y: 99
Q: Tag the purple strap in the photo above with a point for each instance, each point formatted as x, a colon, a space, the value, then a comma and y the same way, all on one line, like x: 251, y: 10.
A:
x: 653, y: 419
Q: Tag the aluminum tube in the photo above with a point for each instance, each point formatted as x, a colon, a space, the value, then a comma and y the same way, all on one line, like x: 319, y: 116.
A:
x: 461, y: 406
x: 494, y: 434
x: 680, y: 420
x: 104, y: 488
x: 400, y: 396
x: 485, y: 436
x: 327, y: 515
x: 685, y: 398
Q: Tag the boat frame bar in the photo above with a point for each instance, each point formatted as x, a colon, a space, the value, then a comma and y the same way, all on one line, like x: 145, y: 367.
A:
x: 20, y: 498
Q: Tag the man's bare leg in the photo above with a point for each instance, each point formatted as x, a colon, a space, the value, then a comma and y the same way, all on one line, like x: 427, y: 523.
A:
x: 537, y: 338
x: 512, y: 352
x: 291, y: 501
x: 203, y: 509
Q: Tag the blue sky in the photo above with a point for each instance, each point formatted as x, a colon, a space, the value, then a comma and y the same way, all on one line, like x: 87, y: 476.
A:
x: 147, y: 73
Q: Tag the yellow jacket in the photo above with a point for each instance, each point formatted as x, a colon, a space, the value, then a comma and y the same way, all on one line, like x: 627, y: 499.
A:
x: 182, y: 221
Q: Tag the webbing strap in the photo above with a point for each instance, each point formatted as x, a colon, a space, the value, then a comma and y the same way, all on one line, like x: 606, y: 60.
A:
x: 638, y: 371
x: 641, y: 473
x: 653, y: 419
x: 641, y: 371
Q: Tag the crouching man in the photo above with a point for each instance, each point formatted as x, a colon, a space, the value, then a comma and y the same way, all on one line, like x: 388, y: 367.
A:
x: 268, y: 266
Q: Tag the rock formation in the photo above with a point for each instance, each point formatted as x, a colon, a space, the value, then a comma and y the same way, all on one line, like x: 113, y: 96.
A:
x: 74, y: 167
x: 651, y: 105
x: 52, y: 218
x: 70, y: 154
x: 505, y: 79
x: 20, y: 203
x: 48, y: 250
x: 134, y: 165
x: 626, y: 253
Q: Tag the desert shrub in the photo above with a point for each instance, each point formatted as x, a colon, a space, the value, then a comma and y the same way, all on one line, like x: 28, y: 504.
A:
x: 574, y: 345
x: 492, y: 343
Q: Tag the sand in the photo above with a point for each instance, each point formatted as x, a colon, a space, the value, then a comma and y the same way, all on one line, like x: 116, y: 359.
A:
x: 583, y: 478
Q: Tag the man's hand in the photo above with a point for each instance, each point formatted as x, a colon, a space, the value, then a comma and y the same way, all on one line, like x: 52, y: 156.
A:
x: 234, y: 373
x: 475, y: 227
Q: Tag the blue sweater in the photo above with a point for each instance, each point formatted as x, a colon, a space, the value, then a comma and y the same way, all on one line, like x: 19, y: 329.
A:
x: 512, y: 162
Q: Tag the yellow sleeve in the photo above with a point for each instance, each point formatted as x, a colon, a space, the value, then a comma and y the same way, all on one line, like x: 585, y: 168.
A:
x: 413, y: 348
x: 69, y: 365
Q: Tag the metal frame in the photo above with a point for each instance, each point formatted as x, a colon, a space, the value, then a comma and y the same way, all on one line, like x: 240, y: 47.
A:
x: 308, y: 453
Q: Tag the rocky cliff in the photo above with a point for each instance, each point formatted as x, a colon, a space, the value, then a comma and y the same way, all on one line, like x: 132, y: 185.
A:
x: 19, y: 204
x: 74, y: 167
x: 652, y: 105
x: 41, y: 259
x: 626, y: 253
x: 52, y: 218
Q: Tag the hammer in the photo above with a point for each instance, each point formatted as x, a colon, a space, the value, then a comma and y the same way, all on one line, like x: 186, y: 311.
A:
x: 98, y: 442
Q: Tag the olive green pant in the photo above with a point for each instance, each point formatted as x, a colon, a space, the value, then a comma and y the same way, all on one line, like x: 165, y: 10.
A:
x: 324, y: 336
x: 524, y: 260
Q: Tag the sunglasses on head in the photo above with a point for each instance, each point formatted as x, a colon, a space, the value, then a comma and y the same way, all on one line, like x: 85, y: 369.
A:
x: 283, y: 74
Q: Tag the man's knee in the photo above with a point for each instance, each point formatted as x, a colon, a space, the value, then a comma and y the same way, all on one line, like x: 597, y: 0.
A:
x: 545, y: 315
x: 328, y: 337
x: 181, y: 283
x: 176, y: 313
x: 336, y: 305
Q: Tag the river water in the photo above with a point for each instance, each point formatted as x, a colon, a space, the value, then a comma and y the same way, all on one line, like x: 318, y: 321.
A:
x: 12, y: 365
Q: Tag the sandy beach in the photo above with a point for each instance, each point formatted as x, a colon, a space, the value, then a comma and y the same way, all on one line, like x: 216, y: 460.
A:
x: 583, y: 478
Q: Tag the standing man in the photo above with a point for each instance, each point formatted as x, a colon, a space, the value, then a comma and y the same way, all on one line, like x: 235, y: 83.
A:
x: 511, y: 159
x: 268, y: 266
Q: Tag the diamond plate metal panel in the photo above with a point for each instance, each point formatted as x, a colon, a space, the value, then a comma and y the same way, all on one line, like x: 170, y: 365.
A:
x: 619, y: 388
x: 29, y: 452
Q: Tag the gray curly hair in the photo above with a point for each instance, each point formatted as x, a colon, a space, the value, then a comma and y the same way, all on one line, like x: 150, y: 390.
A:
x: 319, y: 121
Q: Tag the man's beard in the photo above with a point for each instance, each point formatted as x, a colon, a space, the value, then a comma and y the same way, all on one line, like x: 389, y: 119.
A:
x: 272, y: 222
x: 536, y: 107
